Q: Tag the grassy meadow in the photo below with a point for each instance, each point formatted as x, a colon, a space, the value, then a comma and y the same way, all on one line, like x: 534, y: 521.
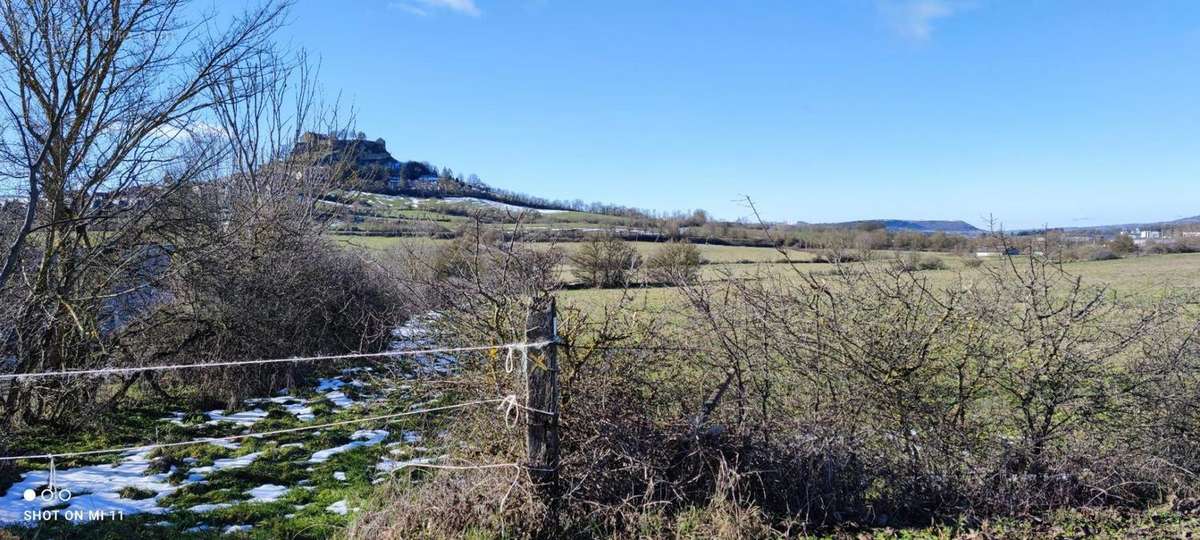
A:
x: 1134, y: 275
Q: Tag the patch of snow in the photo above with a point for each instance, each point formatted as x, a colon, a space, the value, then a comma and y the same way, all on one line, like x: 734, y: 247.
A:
x: 293, y: 406
x: 324, y: 385
x: 500, y: 205
x: 302, y: 413
x: 237, y: 529
x: 267, y: 493
x: 225, y: 443
x: 198, y: 528
x: 226, y: 463
x: 98, y: 487
x: 246, y: 418
x: 362, y: 437
x: 339, y: 399
x: 338, y: 508
x: 209, y: 507
x: 388, y: 465
x: 332, y: 388
x: 175, y: 418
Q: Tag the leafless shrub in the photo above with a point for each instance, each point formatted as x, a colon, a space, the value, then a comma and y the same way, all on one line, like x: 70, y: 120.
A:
x: 605, y: 261
x: 914, y: 262
x: 861, y: 395
x: 674, y: 262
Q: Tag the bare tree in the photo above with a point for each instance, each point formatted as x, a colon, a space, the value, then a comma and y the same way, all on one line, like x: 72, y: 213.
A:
x: 605, y: 260
x: 106, y: 128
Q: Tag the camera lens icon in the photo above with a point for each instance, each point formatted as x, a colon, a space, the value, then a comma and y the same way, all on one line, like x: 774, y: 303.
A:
x: 48, y: 495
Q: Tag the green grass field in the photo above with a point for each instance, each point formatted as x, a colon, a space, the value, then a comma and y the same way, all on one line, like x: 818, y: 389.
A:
x: 1135, y: 276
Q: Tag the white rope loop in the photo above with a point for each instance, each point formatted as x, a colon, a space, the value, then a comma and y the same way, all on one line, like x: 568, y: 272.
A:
x: 509, y: 360
x: 512, y: 410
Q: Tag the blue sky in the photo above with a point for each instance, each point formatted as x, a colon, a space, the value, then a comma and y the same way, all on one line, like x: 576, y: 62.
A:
x: 1061, y: 113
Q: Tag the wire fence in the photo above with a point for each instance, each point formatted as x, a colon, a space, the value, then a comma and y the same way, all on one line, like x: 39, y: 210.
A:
x: 173, y: 367
x: 509, y: 406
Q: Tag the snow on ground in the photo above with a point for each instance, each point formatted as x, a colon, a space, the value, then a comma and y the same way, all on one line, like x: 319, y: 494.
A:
x: 381, y: 197
x: 324, y: 385
x: 387, y: 465
x: 414, y: 335
x: 94, y: 487
x: 267, y: 493
x: 294, y: 406
x: 362, y: 437
x: 500, y: 205
x: 244, y: 418
x: 226, y: 444
x: 339, y: 399
x: 99, y: 487
x: 237, y: 529
x: 198, y: 473
x: 338, y: 507
x: 416, y: 202
x: 206, y: 508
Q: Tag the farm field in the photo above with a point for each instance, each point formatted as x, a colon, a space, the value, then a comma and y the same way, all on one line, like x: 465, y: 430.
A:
x: 1142, y: 277
x: 711, y: 253
x: 452, y: 212
x: 1135, y: 275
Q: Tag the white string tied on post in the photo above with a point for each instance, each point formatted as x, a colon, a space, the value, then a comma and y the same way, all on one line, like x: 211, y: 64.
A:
x: 50, y: 493
x: 509, y: 360
x: 512, y: 410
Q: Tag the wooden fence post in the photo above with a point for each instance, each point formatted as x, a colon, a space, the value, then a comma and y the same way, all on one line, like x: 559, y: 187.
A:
x: 541, y: 435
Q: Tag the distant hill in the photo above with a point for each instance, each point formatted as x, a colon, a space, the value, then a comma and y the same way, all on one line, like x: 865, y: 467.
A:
x: 924, y: 226
x: 1117, y: 227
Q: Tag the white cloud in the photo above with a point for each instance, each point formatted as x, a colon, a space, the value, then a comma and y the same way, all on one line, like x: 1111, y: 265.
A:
x: 915, y: 19
x: 404, y: 6
x: 424, y: 7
